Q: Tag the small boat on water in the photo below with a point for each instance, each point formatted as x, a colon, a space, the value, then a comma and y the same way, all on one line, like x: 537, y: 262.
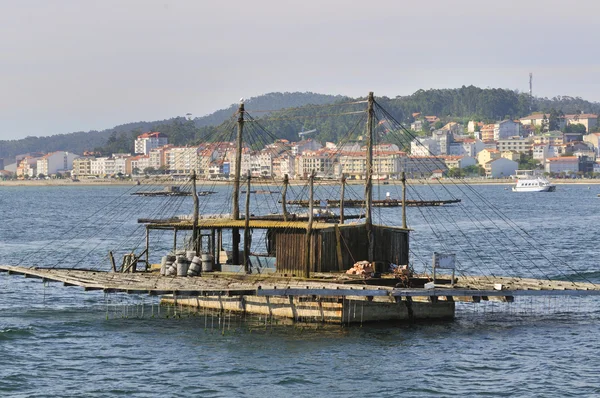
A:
x: 528, y: 182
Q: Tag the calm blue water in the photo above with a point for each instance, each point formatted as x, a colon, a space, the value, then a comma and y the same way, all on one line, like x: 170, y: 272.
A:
x: 61, y: 341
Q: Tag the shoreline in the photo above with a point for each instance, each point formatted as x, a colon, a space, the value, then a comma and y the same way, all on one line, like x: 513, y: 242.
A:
x: 106, y: 182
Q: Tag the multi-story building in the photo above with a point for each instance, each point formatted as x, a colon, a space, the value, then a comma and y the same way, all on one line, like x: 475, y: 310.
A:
x: 517, y: 144
x: 109, y: 166
x: 27, y: 166
x: 594, y: 139
x: 82, y: 166
x: 551, y: 137
x: 466, y: 147
x: 541, y: 119
x: 505, y: 129
x: 52, y: 163
x: 321, y: 161
x: 139, y: 164
x: 566, y: 164
x: 487, y: 132
x: 487, y: 155
x: 423, y: 166
x: 183, y: 159
x: 458, y: 162
x: 284, y: 164
x: 148, y: 141
x: 500, y: 168
x: 589, y: 120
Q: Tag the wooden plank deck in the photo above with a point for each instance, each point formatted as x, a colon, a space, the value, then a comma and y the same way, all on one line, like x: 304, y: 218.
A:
x: 221, y: 284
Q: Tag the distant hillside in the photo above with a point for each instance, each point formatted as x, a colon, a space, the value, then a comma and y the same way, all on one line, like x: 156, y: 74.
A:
x: 270, y: 101
x: 461, y: 103
x: 120, y: 138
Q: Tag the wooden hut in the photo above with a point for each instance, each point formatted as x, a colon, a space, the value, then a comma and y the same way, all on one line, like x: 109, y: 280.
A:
x: 332, y: 247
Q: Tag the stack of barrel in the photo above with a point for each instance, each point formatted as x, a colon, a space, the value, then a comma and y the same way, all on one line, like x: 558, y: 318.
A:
x: 182, y: 264
x: 167, y: 266
x: 195, y: 264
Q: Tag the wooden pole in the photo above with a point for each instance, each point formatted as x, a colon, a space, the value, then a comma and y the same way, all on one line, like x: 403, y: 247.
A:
x: 369, y: 176
x: 342, y: 199
x: 247, y: 237
x: 307, y: 259
x: 403, y: 179
x: 338, y: 246
x: 147, y: 249
x: 235, y: 214
x: 195, y: 245
x: 174, y: 240
x: 286, y: 182
x: 238, y: 165
x: 112, y: 261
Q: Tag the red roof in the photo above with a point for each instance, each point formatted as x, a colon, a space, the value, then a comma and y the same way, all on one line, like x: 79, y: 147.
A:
x: 154, y: 134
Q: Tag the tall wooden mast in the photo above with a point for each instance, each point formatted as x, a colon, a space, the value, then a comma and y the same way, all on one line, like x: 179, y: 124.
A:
x: 235, y: 213
x: 369, y: 175
x: 195, y: 240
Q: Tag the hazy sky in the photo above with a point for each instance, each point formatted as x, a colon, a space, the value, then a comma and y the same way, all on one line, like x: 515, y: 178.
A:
x: 79, y: 65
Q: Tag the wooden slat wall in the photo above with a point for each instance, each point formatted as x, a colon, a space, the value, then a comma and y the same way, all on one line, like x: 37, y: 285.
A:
x: 354, y: 248
x: 391, y: 246
x: 290, y: 249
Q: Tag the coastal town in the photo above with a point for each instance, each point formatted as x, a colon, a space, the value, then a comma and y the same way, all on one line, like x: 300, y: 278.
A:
x: 564, y: 146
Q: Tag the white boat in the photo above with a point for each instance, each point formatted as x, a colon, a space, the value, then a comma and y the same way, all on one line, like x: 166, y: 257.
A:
x: 528, y: 182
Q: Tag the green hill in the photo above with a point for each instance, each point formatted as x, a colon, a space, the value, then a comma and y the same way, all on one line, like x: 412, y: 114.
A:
x: 120, y: 138
x: 285, y: 118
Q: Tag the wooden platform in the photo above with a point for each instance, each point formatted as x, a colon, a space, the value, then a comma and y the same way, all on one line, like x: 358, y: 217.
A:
x: 223, y: 284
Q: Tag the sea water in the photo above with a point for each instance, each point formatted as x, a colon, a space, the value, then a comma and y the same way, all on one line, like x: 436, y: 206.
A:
x: 62, y: 341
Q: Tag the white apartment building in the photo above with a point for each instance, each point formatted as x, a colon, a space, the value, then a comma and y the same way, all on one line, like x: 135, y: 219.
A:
x: 109, y: 166
x: 52, y: 163
x: 182, y: 160
x: 148, y: 141
x: 321, y: 161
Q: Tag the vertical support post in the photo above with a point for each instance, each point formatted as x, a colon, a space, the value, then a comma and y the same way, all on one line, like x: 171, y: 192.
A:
x: 174, y: 240
x: 433, y: 266
x: 343, y: 190
x: 112, y: 261
x: 213, y: 251
x: 219, y: 245
x: 338, y: 246
x: 369, y: 176
x: 308, y: 256
x: 403, y: 179
x: 235, y: 214
x: 286, y: 182
x: 147, y: 249
x: 247, y: 237
x: 195, y: 245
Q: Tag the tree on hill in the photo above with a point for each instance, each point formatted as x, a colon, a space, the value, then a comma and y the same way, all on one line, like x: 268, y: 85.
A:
x: 576, y: 128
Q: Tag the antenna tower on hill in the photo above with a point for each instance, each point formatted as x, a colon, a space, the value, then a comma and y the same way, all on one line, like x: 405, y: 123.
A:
x: 530, y: 92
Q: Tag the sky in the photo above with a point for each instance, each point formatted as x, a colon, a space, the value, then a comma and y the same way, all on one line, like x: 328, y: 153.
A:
x: 83, y: 65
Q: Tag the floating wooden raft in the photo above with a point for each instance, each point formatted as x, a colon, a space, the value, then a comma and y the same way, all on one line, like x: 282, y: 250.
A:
x: 170, y: 193
x: 376, y: 203
x: 216, y: 284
